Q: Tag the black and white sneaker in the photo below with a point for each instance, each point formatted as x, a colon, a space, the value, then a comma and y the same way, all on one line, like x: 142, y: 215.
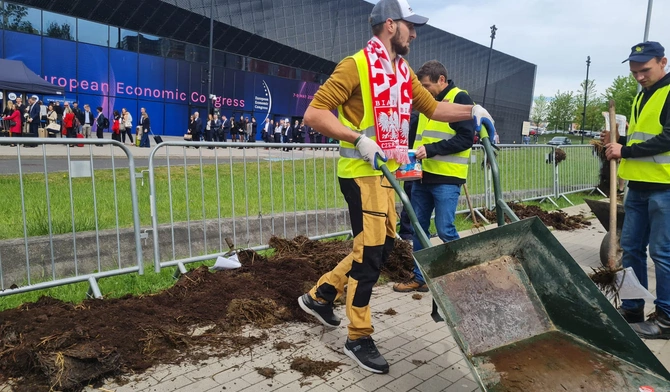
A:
x: 323, y: 312
x: 365, y: 353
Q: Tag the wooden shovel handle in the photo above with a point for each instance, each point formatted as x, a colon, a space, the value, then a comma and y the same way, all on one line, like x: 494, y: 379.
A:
x: 611, y: 257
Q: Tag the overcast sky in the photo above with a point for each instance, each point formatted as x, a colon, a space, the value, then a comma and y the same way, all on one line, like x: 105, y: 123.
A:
x: 556, y: 35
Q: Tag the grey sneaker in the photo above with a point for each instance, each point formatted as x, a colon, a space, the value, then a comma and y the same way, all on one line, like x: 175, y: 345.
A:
x: 323, y: 312
x: 657, y: 326
x: 365, y: 353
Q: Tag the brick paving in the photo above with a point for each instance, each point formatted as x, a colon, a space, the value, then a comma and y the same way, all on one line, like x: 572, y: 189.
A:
x: 423, y: 355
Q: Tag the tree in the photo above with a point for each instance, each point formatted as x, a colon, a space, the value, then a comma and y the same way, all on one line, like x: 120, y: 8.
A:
x: 594, y: 107
x: 561, y: 110
x: 540, y: 111
x: 622, y: 91
x: 12, y: 17
x: 59, y: 31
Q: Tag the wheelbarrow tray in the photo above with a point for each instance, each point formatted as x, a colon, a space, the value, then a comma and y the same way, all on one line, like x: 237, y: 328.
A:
x: 527, y: 317
x: 601, y: 209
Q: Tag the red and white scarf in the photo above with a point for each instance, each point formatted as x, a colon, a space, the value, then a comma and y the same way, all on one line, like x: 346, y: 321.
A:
x: 391, y: 100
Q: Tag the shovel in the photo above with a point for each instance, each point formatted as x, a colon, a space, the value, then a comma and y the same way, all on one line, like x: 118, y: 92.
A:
x: 611, y: 279
x: 476, y: 226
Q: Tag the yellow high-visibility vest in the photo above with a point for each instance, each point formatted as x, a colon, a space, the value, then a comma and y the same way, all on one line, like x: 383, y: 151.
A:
x: 351, y: 163
x: 430, y: 131
x: 644, y: 125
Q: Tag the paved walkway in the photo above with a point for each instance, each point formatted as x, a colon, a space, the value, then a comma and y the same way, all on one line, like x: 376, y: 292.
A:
x: 423, y: 355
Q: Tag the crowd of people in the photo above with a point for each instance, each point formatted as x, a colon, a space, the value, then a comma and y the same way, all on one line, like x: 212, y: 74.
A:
x: 246, y: 129
x: 71, y: 121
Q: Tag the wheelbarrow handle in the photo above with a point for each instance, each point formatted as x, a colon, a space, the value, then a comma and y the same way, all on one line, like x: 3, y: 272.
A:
x: 423, y: 238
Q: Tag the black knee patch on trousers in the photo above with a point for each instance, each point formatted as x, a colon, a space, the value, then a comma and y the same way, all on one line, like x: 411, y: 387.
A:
x: 367, y: 274
x: 326, y: 292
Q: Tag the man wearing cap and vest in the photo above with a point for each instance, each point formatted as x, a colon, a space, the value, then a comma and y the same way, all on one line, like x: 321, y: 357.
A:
x: 373, y: 91
x: 444, y: 149
x: 646, y: 166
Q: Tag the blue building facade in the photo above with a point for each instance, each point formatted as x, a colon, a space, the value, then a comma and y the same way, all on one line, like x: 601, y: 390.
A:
x: 269, y: 56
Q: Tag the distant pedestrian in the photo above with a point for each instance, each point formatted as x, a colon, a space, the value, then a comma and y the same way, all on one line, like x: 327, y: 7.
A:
x: 146, y: 128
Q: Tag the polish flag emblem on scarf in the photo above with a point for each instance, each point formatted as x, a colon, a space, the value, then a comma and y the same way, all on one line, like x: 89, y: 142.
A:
x: 391, y: 100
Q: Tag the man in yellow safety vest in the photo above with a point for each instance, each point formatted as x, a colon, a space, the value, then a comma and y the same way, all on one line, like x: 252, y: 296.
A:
x: 645, y: 164
x: 444, y: 149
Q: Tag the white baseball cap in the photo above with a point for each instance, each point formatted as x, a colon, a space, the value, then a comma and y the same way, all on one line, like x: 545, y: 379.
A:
x: 395, y: 10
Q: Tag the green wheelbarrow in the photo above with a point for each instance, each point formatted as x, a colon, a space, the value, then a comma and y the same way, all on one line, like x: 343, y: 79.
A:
x: 525, y: 315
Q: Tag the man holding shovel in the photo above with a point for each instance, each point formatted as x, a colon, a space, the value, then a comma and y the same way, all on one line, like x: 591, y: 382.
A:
x: 444, y: 149
x: 645, y: 164
x: 373, y: 91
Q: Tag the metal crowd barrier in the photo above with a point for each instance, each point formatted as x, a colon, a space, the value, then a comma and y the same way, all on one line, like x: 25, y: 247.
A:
x: 239, y: 195
x: 203, y: 203
x: 62, y: 224
x: 579, y: 172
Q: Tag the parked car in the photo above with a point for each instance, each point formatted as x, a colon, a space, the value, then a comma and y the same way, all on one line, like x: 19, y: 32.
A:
x: 559, y: 141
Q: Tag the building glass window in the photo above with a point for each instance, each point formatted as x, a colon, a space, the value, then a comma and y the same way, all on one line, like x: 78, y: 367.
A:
x: 128, y: 40
x: 196, y: 53
x: 19, y: 18
x: 114, y: 37
x: 308, y: 76
x: 233, y: 61
x: 150, y: 44
x: 175, y: 50
x: 219, y: 58
x: 92, y: 32
x: 59, y: 26
x: 286, y: 72
x: 259, y: 66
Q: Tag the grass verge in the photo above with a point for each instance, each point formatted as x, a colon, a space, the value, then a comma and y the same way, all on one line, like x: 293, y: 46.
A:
x: 152, y: 282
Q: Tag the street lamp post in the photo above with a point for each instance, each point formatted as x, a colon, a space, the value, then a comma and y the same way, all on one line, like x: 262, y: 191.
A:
x: 488, y: 66
x: 586, y: 90
x: 650, y: 4
x: 211, y: 52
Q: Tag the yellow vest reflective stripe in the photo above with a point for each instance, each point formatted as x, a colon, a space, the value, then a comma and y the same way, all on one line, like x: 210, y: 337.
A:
x: 429, y: 131
x: 351, y: 164
x: 644, y: 125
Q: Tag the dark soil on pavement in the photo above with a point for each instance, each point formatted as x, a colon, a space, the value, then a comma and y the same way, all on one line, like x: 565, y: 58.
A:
x: 52, y: 345
x: 558, y: 219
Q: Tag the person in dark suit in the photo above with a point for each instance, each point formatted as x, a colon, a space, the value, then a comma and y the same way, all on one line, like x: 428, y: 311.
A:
x: 79, y: 114
x: 197, y: 126
x: 100, y: 124
x: 33, y: 118
x: 225, y: 129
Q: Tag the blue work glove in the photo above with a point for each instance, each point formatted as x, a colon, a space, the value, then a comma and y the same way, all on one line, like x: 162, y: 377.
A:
x: 370, y: 151
x: 482, y: 116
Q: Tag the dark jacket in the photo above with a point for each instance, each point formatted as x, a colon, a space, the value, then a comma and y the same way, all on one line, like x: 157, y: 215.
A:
x: 91, y: 118
x: 146, y: 123
x: 465, y: 135
x: 656, y: 145
x: 100, y: 121
x: 198, y: 125
x: 79, y: 114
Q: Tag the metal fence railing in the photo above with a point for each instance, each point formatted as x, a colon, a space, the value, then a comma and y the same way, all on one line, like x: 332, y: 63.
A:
x: 63, y: 220
x: 579, y: 172
x: 77, y: 218
x: 240, y: 195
